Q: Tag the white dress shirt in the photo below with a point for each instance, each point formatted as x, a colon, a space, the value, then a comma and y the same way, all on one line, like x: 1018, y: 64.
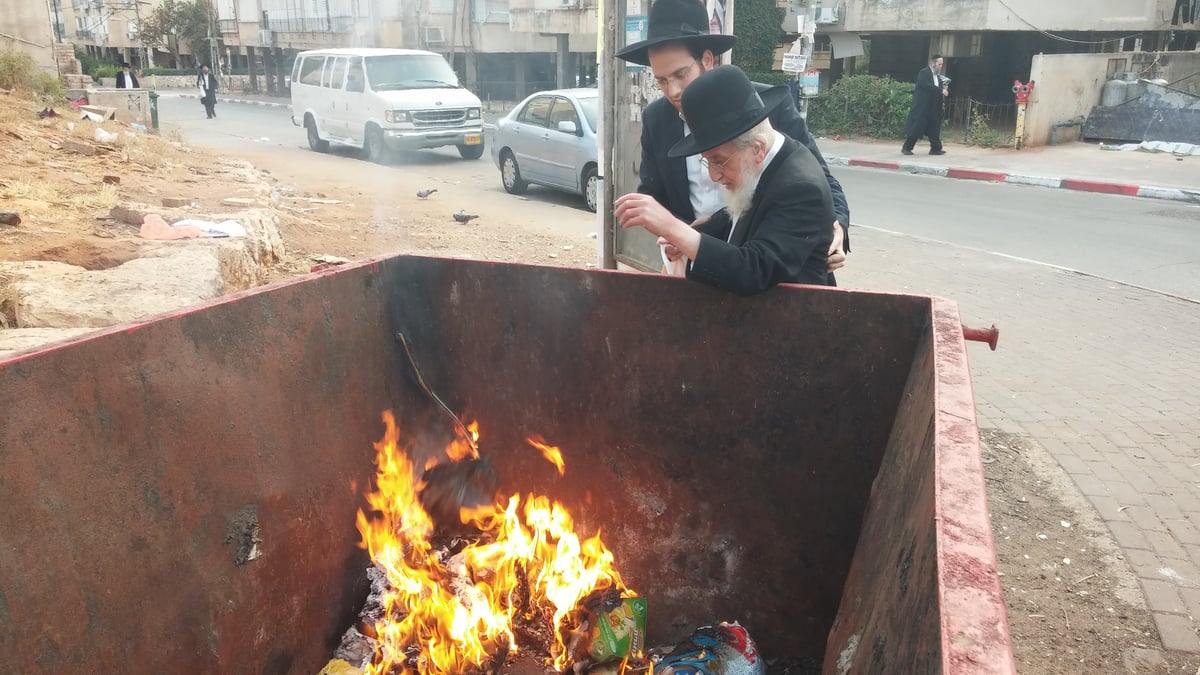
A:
x: 704, y: 194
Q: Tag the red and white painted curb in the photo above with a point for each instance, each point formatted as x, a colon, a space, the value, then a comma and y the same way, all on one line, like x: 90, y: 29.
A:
x: 1103, y: 187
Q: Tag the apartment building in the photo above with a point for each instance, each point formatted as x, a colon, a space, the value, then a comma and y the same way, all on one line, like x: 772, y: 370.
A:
x: 28, y: 27
x: 106, y: 29
x: 989, y: 43
x: 502, y: 49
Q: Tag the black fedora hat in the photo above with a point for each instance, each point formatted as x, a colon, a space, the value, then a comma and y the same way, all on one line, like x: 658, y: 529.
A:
x: 676, y: 21
x: 719, y: 106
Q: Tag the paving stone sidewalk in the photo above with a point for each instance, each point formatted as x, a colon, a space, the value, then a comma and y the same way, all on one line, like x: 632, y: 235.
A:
x: 1105, y: 377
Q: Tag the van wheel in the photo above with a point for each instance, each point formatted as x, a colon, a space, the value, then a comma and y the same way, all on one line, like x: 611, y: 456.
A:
x: 510, y: 174
x: 591, y: 188
x: 471, y: 151
x: 374, y: 148
x: 314, y: 139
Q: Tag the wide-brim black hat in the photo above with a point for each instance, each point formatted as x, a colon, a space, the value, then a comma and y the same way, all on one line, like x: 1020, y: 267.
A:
x: 683, y: 21
x: 721, y: 105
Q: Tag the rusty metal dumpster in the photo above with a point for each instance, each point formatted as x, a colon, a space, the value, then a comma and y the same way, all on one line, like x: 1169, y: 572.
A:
x: 805, y: 461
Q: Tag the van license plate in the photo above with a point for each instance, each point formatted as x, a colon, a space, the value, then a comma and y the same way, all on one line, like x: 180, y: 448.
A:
x: 473, y: 139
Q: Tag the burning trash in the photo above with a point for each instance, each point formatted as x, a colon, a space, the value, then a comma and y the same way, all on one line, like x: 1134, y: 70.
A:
x: 468, y: 604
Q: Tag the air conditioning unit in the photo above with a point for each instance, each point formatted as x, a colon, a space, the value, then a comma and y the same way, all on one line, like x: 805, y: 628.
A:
x: 827, y: 15
x: 570, y: 4
x: 434, y: 35
x: 266, y: 38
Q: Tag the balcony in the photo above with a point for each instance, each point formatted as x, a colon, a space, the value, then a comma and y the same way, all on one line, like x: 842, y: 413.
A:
x: 84, y: 34
x: 324, y: 24
x: 227, y: 26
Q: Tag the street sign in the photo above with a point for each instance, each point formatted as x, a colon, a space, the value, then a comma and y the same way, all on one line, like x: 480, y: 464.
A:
x: 794, y: 63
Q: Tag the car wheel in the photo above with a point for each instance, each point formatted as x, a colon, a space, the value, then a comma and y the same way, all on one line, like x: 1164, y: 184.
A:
x: 374, y: 148
x: 314, y: 139
x: 471, y: 151
x: 591, y: 188
x: 510, y: 174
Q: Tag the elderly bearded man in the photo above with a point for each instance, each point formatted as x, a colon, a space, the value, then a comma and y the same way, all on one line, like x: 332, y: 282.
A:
x: 774, y: 227
x: 679, y: 48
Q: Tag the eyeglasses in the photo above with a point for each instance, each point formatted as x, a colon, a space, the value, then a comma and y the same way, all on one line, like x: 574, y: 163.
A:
x: 718, y: 169
x: 678, y: 76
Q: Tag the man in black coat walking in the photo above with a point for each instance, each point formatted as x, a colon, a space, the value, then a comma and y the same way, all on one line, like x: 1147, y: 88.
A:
x: 126, y: 79
x: 925, y: 117
x: 207, y: 83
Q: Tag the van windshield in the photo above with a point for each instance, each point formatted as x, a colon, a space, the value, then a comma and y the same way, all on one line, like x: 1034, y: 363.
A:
x: 410, y: 71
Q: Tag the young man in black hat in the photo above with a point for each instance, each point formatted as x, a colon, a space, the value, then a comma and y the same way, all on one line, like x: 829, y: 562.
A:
x: 126, y: 79
x: 679, y: 49
x: 774, y: 227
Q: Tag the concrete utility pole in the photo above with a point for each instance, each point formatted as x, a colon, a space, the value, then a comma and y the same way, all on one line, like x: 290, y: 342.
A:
x: 611, y: 12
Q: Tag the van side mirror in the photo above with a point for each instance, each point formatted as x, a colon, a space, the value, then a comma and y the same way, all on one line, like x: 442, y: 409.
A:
x: 567, y: 126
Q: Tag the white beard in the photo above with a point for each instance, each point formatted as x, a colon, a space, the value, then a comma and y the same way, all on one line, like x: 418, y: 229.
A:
x: 738, y: 201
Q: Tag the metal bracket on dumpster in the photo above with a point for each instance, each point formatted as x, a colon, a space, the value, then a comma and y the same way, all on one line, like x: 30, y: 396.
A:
x: 989, y: 335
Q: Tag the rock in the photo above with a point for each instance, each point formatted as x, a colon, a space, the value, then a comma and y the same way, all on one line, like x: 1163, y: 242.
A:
x: 1138, y: 660
x: 20, y: 339
x: 176, y: 202
x: 78, y: 148
x: 80, y: 180
x: 130, y: 214
x: 112, y: 180
x: 10, y: 218
x: 240, y: 202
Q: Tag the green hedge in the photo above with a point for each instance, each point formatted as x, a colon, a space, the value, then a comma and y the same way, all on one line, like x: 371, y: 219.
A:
x: 864, y: 105
x: 770, y: 77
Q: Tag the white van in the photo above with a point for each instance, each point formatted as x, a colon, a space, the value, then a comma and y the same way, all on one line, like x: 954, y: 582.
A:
x: 382, y: 100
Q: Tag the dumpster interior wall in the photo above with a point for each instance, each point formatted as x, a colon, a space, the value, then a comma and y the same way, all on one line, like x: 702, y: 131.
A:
x: 725, y: 447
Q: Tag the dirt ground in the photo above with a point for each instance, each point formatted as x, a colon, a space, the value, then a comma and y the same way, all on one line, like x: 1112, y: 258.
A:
x: 1074, y: 605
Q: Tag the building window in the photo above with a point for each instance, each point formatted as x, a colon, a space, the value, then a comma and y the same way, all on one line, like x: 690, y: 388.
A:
x: 441, y: 6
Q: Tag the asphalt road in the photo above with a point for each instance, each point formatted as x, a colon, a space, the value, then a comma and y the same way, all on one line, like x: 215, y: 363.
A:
x: 1145, y: 243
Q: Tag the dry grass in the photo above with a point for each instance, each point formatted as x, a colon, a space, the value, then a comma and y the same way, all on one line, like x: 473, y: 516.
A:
x: 35, y: 191
x: 104, y: 197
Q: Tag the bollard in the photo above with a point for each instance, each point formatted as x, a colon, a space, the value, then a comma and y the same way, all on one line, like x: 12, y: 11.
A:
x: 1022, y: 92
x: 154, y: 110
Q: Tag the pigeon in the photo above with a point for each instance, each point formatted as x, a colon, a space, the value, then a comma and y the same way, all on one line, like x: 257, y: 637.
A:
x: 425, y: 193
x: 463, y: 217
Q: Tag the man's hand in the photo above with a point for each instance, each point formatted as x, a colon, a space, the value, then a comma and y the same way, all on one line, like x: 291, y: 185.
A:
x: 836, y: 257
x: 644, y: 211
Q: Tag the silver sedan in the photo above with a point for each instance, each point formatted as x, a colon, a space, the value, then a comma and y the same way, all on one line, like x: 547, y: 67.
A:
x: 550, y: 139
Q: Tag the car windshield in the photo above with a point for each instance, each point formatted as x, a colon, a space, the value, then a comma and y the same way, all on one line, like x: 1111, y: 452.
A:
x: 590, y: 111
x: 410, y: 71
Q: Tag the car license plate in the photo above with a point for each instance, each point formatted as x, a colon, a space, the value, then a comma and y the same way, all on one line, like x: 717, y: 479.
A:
x: 473, y: 139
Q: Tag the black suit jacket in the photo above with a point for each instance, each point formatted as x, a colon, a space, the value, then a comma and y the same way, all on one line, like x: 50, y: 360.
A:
x: 122, y: 84
x: 926, y: 112
x: 666, y: 178
x: 782, y: 238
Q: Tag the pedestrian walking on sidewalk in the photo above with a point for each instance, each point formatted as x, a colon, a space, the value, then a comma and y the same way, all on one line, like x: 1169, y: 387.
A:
x: 207, y: 82
x: 925, y: 116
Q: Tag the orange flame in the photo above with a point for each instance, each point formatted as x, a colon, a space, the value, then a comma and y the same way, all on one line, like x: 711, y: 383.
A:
x: 458, y: 612
x: 551, y: 453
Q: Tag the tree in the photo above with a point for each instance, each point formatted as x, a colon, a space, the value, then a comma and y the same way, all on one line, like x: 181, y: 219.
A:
x: 758, y: 25
x: 179, y: 26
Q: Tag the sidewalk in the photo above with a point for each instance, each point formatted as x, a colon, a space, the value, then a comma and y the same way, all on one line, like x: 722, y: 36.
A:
x: 245, y: 99
x: 1070, y: 165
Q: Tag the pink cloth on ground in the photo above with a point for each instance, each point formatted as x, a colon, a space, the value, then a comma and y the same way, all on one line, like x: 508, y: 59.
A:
x: 154, y: 227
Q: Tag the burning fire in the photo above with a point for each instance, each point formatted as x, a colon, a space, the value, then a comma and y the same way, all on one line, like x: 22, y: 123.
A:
x: 458, y: 612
